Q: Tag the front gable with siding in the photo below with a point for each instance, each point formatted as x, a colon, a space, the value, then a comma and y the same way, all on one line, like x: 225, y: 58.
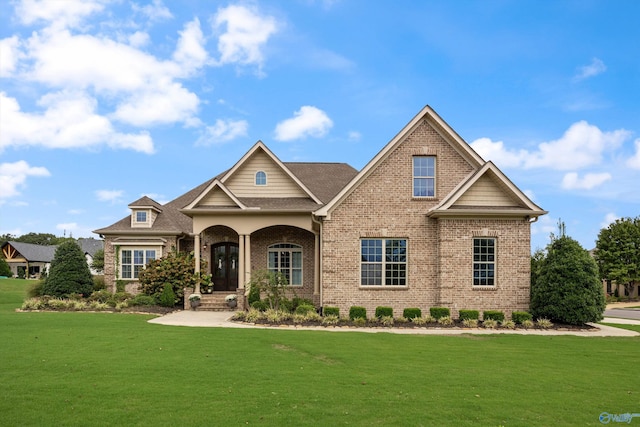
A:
x: 427, y: 222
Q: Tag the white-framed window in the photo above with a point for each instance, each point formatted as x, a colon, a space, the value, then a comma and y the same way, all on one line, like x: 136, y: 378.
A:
x: 424, y: 176
x: 261, y: 178
x: 287, y: 259
x: 383, y: 262
x: 484, y: 261
x: 141, y: 216
x: 133, y: 261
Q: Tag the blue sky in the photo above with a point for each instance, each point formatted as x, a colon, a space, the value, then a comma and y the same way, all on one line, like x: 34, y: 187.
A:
x: 102, y: 101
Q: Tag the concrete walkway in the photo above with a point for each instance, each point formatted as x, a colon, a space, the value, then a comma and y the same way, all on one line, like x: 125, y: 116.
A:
x: 220, y: 319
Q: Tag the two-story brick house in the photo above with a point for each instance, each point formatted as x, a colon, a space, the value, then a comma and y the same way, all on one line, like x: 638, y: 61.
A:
x: 427, y: 222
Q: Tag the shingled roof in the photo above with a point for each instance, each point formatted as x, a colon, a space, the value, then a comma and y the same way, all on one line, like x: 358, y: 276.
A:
x: 324, y: 180
x: 34, y: 253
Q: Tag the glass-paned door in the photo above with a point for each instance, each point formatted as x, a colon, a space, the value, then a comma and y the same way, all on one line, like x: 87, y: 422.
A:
x: 224, y: 266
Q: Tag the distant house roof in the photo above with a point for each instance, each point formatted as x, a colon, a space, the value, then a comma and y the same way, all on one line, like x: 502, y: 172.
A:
x: 90, y: 245
x: 31, y: 252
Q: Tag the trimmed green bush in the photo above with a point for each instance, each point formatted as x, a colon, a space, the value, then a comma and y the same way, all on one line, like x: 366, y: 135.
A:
x: 142, y: 300
x: 520, y: 316
x: 304, y: 309
x: 35, y: 290
x: 469, y: 315
x: 411, y: 313
x: 297, y: 301
x: 254, y: 295
x: 357, y: 311
x: 331, y: 311
x: 69, y: 272
x: 260, y: 305
x: 382, y: 311
x: 438, y: 312
x: 167, y: 297
x: 496, y: 315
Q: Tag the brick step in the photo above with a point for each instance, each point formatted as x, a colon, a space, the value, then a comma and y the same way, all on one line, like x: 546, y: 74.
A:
x: 214, y: 302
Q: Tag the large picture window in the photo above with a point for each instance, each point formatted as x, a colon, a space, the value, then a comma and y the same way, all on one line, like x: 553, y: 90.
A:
x: 133, y: 261
x: 287, y: 259
x: 383, y: 262
x: 484, y: 261
x: 424, y: 176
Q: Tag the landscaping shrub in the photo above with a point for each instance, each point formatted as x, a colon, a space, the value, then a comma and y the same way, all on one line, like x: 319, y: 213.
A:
x: 274, y: 285
x: 98, y: 283
x: 568, y: 289
x: 176, y: 269
x: 490, y: 323
x: 438, y: 312
x: 520, y: 316
x: 5, y: 270
x: 35, y: 289
x: 296, y: 302
x: 167, y: 297
x: 254, y: 295
x: 304, y: 309
x: 445, y: 320
x: 142, y: 300
x: 330, y: 320
x: 384, y: 311
x: 469, y: 315
x: 357, y: 312
x: 69, y: 272
x: 121, y: 285
x: 411, y: 313
x: 260, y: 305
x: 101, y: 296
x: 470, y: 323
x: 496, y: 315
x: 331, y: 311
x: 508, y: 324
x: 386, y: 320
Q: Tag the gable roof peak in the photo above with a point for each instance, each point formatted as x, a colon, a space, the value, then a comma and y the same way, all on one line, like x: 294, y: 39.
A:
x: 146, y: 202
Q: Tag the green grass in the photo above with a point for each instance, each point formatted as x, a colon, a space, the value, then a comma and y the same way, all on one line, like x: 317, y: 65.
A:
x: 117, y: 369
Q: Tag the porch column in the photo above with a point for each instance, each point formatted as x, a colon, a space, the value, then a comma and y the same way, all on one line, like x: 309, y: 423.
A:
x: 241, y: 261
x: 316, y: 272
x: 247, y: 258
x: 196, y: 251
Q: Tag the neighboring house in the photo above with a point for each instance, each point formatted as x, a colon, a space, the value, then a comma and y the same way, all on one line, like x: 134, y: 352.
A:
x: 32, y: 259
x: 36, y: 259
x: 427, y: 222
x: 90, y: 246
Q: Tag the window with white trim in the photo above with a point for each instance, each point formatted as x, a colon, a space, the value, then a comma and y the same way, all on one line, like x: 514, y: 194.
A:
x: 424, y: 176
x: 287, y: 259
x: 141, y: 216
x: 261, y: 178
x: 133, y: 261
x: 383, y: 262
x: 484, y: 261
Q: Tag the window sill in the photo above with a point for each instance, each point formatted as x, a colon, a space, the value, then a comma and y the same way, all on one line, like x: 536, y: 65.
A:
x: 484, y: 288
x: 383, y: 287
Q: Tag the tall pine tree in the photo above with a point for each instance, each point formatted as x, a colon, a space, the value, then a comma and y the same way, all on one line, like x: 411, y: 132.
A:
x: 69, y: 272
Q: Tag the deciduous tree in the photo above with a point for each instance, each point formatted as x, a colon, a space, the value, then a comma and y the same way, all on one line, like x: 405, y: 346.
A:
x: 618, y: 252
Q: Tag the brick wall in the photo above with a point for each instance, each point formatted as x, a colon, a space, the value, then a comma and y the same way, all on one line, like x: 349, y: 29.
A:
x: 439, y: 252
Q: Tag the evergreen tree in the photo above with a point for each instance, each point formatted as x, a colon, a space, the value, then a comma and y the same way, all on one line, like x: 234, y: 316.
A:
x: 69, y: 272
x: 5, y: 270
x: 567, y: 288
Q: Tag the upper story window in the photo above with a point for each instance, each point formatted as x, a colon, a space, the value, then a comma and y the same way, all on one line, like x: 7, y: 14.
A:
x: 287, y: 259
x: 424, y: 176
x: 261, y: 178
x: 141, y: 216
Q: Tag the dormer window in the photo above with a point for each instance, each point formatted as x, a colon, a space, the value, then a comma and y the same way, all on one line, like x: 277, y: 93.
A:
x: 141, y: 216
x: 261, y: 178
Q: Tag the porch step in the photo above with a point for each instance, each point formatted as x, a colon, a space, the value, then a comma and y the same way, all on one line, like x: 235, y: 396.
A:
x: 214, y: 302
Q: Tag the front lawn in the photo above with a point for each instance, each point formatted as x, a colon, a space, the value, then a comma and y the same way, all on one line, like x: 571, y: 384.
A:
x: 73, y: 368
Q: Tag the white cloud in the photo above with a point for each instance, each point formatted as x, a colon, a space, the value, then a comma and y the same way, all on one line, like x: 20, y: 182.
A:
x: 246, y: 34
x: 609, y: 218
x: 139, y: 39
x: 572, y: 181
x: 112, y: 196
x: 9, y: 55
x: 69, y: 121
x: 593, y: 69
x: 223, y: 131
x: 634, y: 162
x: 308, y: 121
x: 156, y: 11
x: 354, y: 136
x: 67, y: 13
x: 190, y: 52
x: 581, y: 145
x: 14, y: 175
x: 75, y: 211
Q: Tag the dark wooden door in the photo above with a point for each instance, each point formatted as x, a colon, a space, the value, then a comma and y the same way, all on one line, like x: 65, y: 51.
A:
x: 224, y: 266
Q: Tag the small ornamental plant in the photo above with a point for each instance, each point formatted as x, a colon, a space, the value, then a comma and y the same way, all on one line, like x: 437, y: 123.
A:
x: 194, y: 297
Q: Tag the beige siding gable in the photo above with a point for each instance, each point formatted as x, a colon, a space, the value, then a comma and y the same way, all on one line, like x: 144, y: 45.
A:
x: 488, y: 191
x: 279, y: 184
x: 217, y: 197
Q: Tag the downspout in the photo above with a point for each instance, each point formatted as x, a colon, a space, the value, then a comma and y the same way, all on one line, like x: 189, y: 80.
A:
x: 313, y: 219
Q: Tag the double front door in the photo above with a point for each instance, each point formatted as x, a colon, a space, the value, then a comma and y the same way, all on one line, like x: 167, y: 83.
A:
x: 224, y: 266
